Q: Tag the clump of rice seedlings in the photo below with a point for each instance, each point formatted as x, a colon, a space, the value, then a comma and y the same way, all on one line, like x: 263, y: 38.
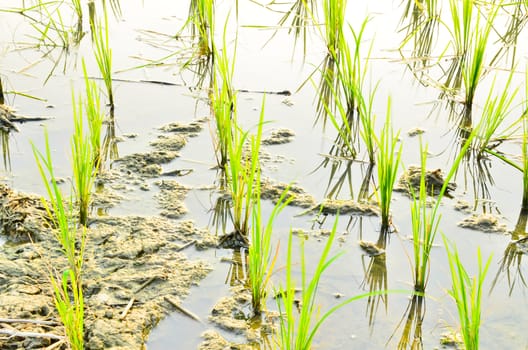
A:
x: 68, y: 295
x: 83, y: 162
x: 223, y: 104
x: 389, y: 155
x: 201, y: 20
x: 351, y: 113
x: 525, y: 147
x: 103, y: 55
x: 426, y: 220
x: 260, y: 260
x: 495, y: 111
x: 467, y: 292
x: 298, y: 328
x: 470, y: 38
x: 242, y: 173
x: 95, y: 118
x: 334, y: 16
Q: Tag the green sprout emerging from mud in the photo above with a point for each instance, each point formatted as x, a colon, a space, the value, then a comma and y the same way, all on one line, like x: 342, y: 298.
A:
x: 425, y: 220
x: 467, y: 292
x: 389, y: 155
x: 298, y: 330
x: 103, y: 55
x: 68, y: 294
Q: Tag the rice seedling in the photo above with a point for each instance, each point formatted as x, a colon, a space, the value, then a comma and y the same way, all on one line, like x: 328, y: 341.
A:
x: 470, y: 39
x: 467, y: 292
x: 495, y: 110
x: 243, y: 174
x: 95, y: 118
x: 334, y: 15
x: 201, y: 19
x: 389, y: 155
x: 103, y: 55
x: 412, y: 321
x: 425, y: 221
x: 260, y: 261
x: 68, y: 295
x: 351, y: 113
x: 299, y: 332
x: 83, y: 162
x: 223, y: 104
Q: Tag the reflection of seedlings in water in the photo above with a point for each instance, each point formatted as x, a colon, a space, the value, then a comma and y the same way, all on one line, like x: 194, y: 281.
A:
x: 511, y: 263
x: 412, y: 321
x: 110, y: 150
x: 421, y: 31
x: 238, y: 271
x: 279, y: 136
x: 171, y: 198
x: 301, y: 15
x: 434, y: 180
x: 4, y: 144
x: 375, y: 279
x: 488, y: 223
x: 298, y: 196
x: 221, y: 210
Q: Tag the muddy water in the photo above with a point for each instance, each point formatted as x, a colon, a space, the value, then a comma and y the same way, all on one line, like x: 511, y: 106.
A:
x: 143, y: 108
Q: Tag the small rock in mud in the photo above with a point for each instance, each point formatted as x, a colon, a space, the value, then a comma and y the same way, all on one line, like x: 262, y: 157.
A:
x: 341, y: 206
x: 298, y: 196
x: 279, y: 136
x: 488, y: 223
x: 434, y: 180
x: 463, y: 206
x: 191, y: 129
x: 171, y: 198
x: 415, y: 131
x: 169, y: 143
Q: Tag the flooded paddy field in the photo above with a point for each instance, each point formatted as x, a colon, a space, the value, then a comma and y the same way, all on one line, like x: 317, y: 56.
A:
x: 162, y: 268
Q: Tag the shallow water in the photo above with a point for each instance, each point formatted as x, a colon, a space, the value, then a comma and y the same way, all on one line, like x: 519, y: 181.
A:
x: 141, y: 108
